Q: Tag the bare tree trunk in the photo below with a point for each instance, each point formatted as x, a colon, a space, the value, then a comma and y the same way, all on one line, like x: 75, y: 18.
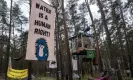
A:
x: 1, y: 49
x: 99, y: 61
x: 13, y: 50
x: 106, y: 30
x: 29, y: 63
x: 67, y: 43
x: 57, y: 44
x: 61, y: 56
x: 126, y: 38
x: 8, y: 45
x: 115, y: 21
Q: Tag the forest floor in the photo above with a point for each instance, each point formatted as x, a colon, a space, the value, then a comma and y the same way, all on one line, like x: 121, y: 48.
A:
x: 49, y: 78
x: 126, y: 78
x: 54, y: 78
x: 83, y: 78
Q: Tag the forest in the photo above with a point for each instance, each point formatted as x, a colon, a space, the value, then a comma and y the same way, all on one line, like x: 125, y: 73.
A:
x: 111, y: 32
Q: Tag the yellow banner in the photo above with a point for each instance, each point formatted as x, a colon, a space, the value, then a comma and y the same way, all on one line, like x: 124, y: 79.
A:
x: 17, y: 74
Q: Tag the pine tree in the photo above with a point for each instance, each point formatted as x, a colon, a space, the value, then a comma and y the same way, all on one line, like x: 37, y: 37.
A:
x: 3, y: 29
x: 73, y: 16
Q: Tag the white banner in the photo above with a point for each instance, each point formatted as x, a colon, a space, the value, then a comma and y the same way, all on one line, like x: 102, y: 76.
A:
x: 40, y: 44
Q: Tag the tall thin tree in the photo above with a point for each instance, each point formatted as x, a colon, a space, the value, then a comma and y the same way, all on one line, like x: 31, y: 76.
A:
x: 67, y: 43
x: 8, y: 45
x: 108, y: 35
x: 96, y: 38
x: 126, y: 38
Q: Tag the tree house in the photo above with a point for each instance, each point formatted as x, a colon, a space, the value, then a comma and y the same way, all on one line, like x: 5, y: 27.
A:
x: 83, y: 44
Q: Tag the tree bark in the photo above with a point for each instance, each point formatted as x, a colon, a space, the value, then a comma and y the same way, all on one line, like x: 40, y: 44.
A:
x: 29, y: 63
x: 115, y: 21
x: 105, y: 24
x: 126, y: 39
x: 106, y: 30
x: 99, y: 61
x: 1, y: 48
x: 57, y: 46
x: 61, y: 55
x: 8, y: 45
x: 67, y: 43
